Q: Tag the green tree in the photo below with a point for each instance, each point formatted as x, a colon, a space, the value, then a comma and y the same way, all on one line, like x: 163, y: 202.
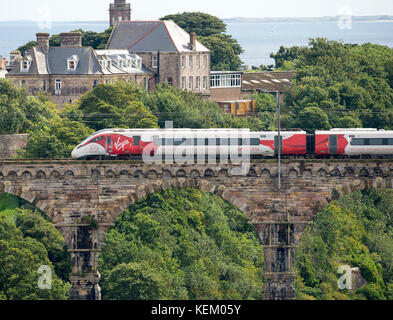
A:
x: 344, y: 80
x: 224, y: 51
x: 182, y: 244
x: 117, y: 105
x: 355, y: 230
x: 312, y: 118
x: 20, y: 259
x: 202, y: 24
x: 55, y: 140
x: 19, y: 112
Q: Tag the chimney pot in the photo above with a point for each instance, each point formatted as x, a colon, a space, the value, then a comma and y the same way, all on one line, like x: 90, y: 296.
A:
x: 71, y: 39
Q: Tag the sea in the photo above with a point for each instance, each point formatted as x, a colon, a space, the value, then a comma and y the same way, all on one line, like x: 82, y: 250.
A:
x: 258, y: 39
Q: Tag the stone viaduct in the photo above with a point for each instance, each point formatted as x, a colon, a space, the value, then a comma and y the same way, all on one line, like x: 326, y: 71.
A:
x: 84, y: 199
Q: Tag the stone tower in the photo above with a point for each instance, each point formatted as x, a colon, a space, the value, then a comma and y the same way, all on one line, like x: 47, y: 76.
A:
x: 119, y: 11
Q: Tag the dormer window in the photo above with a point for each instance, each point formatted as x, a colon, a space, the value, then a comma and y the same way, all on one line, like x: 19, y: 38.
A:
x: 25, y: 64
x: 72, y: 62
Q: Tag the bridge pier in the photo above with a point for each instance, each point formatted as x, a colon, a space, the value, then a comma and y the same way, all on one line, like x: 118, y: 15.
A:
x: 84, y: 246
x: 279, y: 243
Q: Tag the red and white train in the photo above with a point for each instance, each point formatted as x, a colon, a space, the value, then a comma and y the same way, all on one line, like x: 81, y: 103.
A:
x: 133, y: 143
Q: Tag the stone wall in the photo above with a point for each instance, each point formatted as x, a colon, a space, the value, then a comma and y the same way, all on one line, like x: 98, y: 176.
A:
x: 9, y: 144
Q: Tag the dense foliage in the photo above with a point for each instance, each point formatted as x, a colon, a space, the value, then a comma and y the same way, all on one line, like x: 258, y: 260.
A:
x: 225, y: 50
x: 182, y: 244
x: 338, y: 85
x: 127, y: 105
x: 28, y: 241
x: 356, y: 230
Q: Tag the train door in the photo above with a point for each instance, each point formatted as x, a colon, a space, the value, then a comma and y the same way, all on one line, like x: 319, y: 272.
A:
x: 137, y: 145
x: 109, y: 145
x: 333, y: 144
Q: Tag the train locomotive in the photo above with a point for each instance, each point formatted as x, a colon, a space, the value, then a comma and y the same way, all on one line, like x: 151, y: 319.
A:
x: 133, y: 143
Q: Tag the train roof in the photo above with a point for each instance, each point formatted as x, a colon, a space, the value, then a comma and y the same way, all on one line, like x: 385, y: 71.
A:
x: 354, y: 131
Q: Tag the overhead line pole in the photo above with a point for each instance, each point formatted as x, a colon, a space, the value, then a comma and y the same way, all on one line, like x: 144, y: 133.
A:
x: 279, y: 138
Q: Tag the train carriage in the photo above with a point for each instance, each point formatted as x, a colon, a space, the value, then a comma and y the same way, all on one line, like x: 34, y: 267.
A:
x: 120, y: 143
x: 354, y: 142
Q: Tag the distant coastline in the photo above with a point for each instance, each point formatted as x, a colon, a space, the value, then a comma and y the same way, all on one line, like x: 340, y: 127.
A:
x: 380, y: 18
x: 383, y: 18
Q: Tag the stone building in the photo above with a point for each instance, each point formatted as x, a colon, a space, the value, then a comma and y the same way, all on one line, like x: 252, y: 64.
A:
x: 119, y: 11
x: 3, y: 67
x: 71, y: 70
x: 175, y: 55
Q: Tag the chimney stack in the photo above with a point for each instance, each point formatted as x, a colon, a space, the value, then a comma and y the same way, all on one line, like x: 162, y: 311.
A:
x: 193, y: 41
x: 71, y: 39
x: 43, y: 41
x: 15, y: 57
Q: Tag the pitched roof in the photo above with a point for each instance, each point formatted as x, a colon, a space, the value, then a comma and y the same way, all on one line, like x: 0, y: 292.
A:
x: 87, y: 64
x: 54, y: 62
x: 151, y: 36
x: 267, y: 81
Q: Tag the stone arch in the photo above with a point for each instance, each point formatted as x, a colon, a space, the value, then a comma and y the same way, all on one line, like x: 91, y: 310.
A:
x: 195, y: 174
x: 252, y: 173
x: 27, y: 176
x: 12, y: 175
x: 364, y: 173
x: 360, y: 184
x: 266, y: 173
x: 180, y: 173
x: 349, y: 172
x: 335, y: 173
x: 68, y: 175
x: 124, y: 174
x: 321, y: 173
x: 145, y: 190
x: 209, y: 173
x: 28, y: 196
x: 223, y: 173
x: 152, y: 174
x: 110, y: 174
x: 292, y: 173
x: 40, y: 175
x: 138, y: 174
x: 54, y: 176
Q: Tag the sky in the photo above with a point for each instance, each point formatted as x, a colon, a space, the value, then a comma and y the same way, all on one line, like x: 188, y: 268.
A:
x: 94, y: 10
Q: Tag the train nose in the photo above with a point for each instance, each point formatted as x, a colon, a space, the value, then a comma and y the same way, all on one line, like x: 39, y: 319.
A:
x: 74, y: 154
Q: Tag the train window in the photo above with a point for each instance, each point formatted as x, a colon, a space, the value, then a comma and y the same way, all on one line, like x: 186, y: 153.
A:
x: 97, y: 139
x: 357, y: 142
x: 156, y: 140
x: 108, y: 140
x: 390, y: 142
x: 137, y: 140
x: 178, y: 142
x: 385, y: 142
x: 254, y: 142
x: 366, y: 142
x: 376, y: 142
